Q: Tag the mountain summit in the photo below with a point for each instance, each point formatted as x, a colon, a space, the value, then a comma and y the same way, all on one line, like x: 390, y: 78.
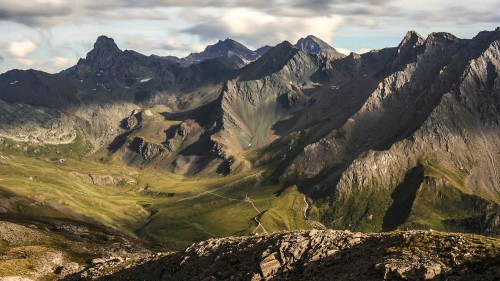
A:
x: 104, y: 52
x: 228, y: 49
x: 313, y: 45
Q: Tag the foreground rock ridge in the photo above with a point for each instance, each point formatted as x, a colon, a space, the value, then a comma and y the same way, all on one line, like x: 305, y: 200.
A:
x: 317, y: 255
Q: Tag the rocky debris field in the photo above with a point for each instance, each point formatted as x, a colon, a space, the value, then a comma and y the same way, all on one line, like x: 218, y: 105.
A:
x: 52, y: 250
x: 315, y: 255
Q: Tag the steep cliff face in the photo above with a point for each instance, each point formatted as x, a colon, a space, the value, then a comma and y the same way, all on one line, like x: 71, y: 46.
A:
x: 429, y: 128
x: 251, y: 106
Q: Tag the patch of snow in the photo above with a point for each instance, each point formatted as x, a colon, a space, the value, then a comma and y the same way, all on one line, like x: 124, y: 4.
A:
x: 14, y: 82
x: 146, y: 80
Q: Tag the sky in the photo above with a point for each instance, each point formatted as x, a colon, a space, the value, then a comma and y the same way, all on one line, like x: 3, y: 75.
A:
x: 51, y: 35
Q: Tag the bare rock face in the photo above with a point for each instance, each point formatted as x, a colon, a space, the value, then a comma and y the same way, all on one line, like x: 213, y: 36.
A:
x: 319, y: 255
x: 249, y: 108
x: 416, y: 136
x: 68, y: 269
x: 27, y: 123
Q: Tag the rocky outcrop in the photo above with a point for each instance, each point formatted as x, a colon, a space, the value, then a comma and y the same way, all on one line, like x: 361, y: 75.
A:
x: 148, y: 150
x: 319, y: 255
x: 51, y: 248
x: 107, y: 180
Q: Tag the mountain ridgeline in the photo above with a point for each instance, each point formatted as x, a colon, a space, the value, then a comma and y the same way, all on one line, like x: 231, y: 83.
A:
x: 404, y: 137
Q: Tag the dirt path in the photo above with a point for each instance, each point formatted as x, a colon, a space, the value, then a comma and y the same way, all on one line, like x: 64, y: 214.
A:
x: 212, y: 192
x: 312, y: 223
x: 306, y: 210
x: 247, y: 199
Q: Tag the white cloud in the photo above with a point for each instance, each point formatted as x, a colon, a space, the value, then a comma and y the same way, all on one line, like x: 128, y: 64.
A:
x: 197, y: 47
x: 358, y: 51
x: 62, y: 62
x: 343, y: 51
x: 181, y: 26
x: 175, y: 44
x: 26, y: 62
x: 257, y: 28
x: 363, y: 50
x: 21, y: 49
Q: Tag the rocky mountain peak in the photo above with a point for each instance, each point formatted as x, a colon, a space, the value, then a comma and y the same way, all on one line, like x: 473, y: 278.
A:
x: 273, y: 60
x: 437, y: 38
x: 279, y: 52
x: 313, y: 45
x: 105, y: 49
x: 228, y: 49
x: 412, y: 40
x: 226, y: 45
x: 106, y: 45
x: 262, y: 50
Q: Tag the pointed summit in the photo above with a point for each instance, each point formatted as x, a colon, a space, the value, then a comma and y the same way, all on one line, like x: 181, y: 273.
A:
x: 104, y: 52
x: 411, y: 40
x: 105, y: 44
x: 313, y: 45
x: 273, y: 60
x: 228, y: 44
x: 407, y: 51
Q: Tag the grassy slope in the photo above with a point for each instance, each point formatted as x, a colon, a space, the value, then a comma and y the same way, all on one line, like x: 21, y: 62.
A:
x: 222, y: 209
x: 441, y: 200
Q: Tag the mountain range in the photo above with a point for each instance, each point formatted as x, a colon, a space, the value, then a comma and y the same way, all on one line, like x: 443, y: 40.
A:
x: 231, y: 142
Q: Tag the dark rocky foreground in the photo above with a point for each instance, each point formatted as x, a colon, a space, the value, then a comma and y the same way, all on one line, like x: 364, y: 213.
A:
x: 316, y: 255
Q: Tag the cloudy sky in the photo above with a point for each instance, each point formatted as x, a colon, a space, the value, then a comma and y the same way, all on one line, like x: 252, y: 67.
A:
x: 52, y: 35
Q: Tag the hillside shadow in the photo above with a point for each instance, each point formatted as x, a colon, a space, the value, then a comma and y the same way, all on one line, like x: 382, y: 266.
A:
x: 403, y: 197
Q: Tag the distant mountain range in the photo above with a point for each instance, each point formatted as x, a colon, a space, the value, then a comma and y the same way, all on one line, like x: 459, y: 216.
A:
x: 405, y: 137
x: 227, y: 49
x: 241, y: 55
